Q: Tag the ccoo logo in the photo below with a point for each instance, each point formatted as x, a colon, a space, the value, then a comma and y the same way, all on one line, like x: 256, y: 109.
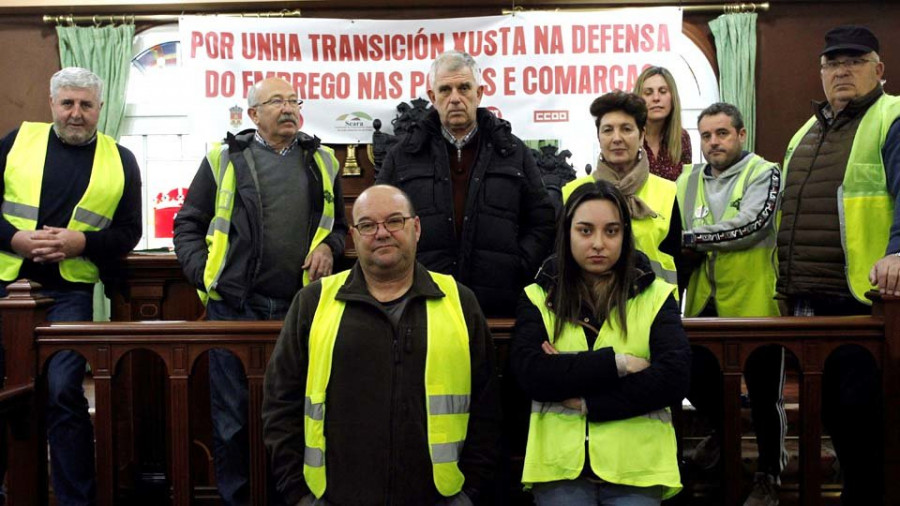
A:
x: 551, y: 116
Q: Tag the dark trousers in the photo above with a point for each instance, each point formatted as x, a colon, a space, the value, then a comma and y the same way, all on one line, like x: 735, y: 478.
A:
x: 69, y: 429
x: 764, y: 374
x: 852, y: 407
x: 228, y: 399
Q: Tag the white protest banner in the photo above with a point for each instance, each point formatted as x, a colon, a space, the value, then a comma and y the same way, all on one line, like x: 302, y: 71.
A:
x: 541, y: 70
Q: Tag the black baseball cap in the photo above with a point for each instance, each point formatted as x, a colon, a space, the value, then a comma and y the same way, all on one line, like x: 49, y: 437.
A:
x: 850, y: 38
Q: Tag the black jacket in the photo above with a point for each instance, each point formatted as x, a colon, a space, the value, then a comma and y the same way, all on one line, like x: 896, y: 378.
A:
x: 375, y: 422
x: 245, y: 235
x: 593, y: 375
x: 509, y: 219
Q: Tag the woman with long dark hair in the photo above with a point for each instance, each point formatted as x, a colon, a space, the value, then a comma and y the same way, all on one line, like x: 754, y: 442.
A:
x: 599, y: 347
x: 667, y: 145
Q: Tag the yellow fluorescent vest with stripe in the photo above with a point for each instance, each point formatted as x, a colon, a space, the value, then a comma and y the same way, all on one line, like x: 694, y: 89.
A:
x: 741, y: 282
x: 639, y: 451
x: 649, y: 233
x: 448, y: 383
x: 226, y: 181
x: 22, y: 181
x: 865, y: 207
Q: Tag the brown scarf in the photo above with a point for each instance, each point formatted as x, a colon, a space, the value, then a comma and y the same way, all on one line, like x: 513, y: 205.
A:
x: 629, y: 184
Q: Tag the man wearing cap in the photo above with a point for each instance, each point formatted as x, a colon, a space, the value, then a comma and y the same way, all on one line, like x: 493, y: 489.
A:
x: 263, y: 216
x: 843, y: 173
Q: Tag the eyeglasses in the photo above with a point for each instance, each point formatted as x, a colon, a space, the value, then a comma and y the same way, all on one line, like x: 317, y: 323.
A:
x: 850, y: 63
x: 393, y: 224
x: 279, y: 102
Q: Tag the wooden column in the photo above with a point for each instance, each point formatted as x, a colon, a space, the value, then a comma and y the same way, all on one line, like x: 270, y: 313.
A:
x: 731, y: 423
x: 103, y: 426
x: 179, y: 426
x: 811, y: 425
x: 22, y: 310
x: 256, y: 368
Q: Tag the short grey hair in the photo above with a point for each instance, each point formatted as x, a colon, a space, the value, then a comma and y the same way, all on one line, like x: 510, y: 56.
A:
x: 454, y: 60
x: 251, y: 95
x: 76, y: 77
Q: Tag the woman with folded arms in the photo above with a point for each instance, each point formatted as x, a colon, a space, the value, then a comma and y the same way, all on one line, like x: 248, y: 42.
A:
x: 599, y: 346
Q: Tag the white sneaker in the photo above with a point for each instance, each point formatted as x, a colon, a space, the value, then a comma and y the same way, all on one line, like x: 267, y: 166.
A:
x: 764, y: 491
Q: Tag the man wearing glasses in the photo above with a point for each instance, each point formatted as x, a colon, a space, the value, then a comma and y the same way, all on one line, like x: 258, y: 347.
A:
x: 381, y: 387
x: 263, y: 216
x: 840, y: 237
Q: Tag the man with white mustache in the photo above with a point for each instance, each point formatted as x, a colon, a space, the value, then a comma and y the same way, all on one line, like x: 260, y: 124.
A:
x: 728, y: 211
x: 71, y: 208
x: 263, y: 217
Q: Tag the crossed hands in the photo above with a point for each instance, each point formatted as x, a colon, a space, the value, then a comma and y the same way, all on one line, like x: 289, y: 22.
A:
x: 632, y: 365
x: 49, y: 245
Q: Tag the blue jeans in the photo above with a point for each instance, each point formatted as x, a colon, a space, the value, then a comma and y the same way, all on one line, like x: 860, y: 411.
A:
x: 69, y: 428
x: 228, y: 399
x: 581, y: 492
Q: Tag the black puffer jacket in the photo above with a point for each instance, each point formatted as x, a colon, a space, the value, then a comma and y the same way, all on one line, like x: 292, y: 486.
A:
x: 245, y: 235
x: 509, y: 220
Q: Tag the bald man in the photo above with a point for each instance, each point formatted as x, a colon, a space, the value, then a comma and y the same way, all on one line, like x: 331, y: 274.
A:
x: 404, y: 361
x: 263, y: 217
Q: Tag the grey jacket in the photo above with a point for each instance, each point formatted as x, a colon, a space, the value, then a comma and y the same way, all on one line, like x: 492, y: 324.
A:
x: 756, y: 217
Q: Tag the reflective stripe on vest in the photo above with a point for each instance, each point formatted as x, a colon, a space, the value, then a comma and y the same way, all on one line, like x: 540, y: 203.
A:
x: 723, y: 274
x: 226, y: 183
x: 639, y: 451
x: 649, y: 233
x: 662, y: 415
x: 22, y: 181
x: 864, y: 204
x: 447, y: 383
x: 328, y: 168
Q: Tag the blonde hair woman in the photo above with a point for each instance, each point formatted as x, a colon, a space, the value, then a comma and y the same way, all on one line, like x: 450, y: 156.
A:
x: 667, y: 145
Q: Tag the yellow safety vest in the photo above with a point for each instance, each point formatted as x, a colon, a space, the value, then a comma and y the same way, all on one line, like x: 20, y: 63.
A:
x: 864, y: 204
x: 742, y: 283
x: 217, y: 234
x: 649, y: 233
x: 639, y: 451
x: 448, y: 383
x: 22, y: 196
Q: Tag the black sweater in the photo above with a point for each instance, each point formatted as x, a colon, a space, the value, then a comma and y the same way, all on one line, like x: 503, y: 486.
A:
x: 67, y: 171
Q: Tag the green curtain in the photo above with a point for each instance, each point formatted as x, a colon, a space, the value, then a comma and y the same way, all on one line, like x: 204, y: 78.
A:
x: 736, y: 51
x: 105, y: 51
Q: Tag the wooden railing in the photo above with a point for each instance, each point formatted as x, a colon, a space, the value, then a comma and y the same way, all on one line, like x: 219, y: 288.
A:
x: 29, y: 344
